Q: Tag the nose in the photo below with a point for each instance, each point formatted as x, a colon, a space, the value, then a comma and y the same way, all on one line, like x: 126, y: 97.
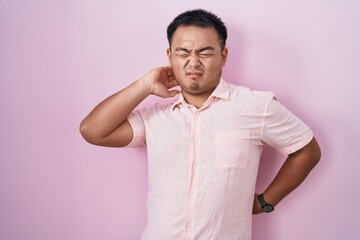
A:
x: 194, y: 60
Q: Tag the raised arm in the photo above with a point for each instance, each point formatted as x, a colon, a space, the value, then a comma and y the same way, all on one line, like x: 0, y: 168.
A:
x: 107, y: 125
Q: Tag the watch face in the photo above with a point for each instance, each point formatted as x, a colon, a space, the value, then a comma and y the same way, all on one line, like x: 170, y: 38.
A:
x: 268, y: 208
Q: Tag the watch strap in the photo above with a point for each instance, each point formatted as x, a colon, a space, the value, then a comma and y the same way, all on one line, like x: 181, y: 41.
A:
x: 266, y: 207
x: 262, y: 200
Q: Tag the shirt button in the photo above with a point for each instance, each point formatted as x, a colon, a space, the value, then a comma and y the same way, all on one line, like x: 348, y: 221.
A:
x: 189, y: 224
x: 194, y: 166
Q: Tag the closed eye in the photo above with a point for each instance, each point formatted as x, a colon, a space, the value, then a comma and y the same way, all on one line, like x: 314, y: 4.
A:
x: 182, y: 54
x: 205, y: 55
x: 205, y: 52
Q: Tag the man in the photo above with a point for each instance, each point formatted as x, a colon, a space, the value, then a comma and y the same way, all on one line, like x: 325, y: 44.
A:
x: 203, y: 149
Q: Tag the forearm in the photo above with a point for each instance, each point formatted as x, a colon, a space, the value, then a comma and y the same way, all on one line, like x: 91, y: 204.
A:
x: 290, y: 176
x: 113, y: 111
x: 293, y: 172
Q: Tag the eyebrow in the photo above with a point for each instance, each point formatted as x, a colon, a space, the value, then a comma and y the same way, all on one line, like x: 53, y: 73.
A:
x: 196, y: 50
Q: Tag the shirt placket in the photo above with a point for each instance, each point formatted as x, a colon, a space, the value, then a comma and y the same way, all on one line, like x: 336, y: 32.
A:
x: 189, y: 223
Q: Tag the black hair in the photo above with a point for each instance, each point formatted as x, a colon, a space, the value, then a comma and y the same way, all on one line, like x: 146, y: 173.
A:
x: 200, y: 18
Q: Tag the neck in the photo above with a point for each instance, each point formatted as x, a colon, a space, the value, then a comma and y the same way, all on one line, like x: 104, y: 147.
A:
x: 196, y: 100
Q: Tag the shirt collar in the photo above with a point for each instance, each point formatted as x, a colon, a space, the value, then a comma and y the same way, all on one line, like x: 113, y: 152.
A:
x: 221, y: 91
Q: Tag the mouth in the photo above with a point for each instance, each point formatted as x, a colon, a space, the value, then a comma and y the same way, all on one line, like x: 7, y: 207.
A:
x: 194, y: 74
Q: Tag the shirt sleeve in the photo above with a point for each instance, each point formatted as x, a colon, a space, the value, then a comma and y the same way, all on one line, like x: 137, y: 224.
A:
x: 282, y: 130
x: 137, y: 124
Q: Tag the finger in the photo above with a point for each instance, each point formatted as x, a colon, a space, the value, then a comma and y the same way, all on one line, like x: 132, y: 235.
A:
x: 173, y: 83
x: 169, y: 71
x: 172, y: 78
x: 173, y: 93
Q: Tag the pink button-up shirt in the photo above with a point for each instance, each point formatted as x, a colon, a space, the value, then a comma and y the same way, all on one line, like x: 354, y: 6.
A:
x: 203, y: 163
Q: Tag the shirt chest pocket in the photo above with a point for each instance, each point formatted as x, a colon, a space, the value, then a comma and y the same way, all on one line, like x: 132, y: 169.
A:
x: 231, y: 149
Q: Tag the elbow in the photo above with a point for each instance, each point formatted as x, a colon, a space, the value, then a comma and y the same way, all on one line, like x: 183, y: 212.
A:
x: 86, y: 133
x: 315, y: 152
x: 317, y: 155
x: 83, y: 129
x: 310, y: 154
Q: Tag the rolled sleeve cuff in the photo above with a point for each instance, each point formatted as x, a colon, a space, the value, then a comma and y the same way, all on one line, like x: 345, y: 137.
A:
x: 137, y: 126
x: 298, y: 144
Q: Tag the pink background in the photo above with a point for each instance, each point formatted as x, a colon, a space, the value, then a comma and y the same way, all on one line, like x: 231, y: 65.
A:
x: 60, y: 58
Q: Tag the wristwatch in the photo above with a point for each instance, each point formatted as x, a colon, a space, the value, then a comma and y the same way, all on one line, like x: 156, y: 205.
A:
x: 267, y: 208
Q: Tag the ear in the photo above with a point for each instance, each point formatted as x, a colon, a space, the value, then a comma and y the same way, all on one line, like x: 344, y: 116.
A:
x: 168, y: 53
x: 224, y: 55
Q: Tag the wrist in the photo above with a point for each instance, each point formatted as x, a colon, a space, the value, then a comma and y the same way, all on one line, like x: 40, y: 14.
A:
x: 144, y: 86
x: 256, y: 206
x: 265, y: 206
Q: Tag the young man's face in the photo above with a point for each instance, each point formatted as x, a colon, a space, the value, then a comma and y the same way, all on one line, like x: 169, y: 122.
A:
x: 196, y: 59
